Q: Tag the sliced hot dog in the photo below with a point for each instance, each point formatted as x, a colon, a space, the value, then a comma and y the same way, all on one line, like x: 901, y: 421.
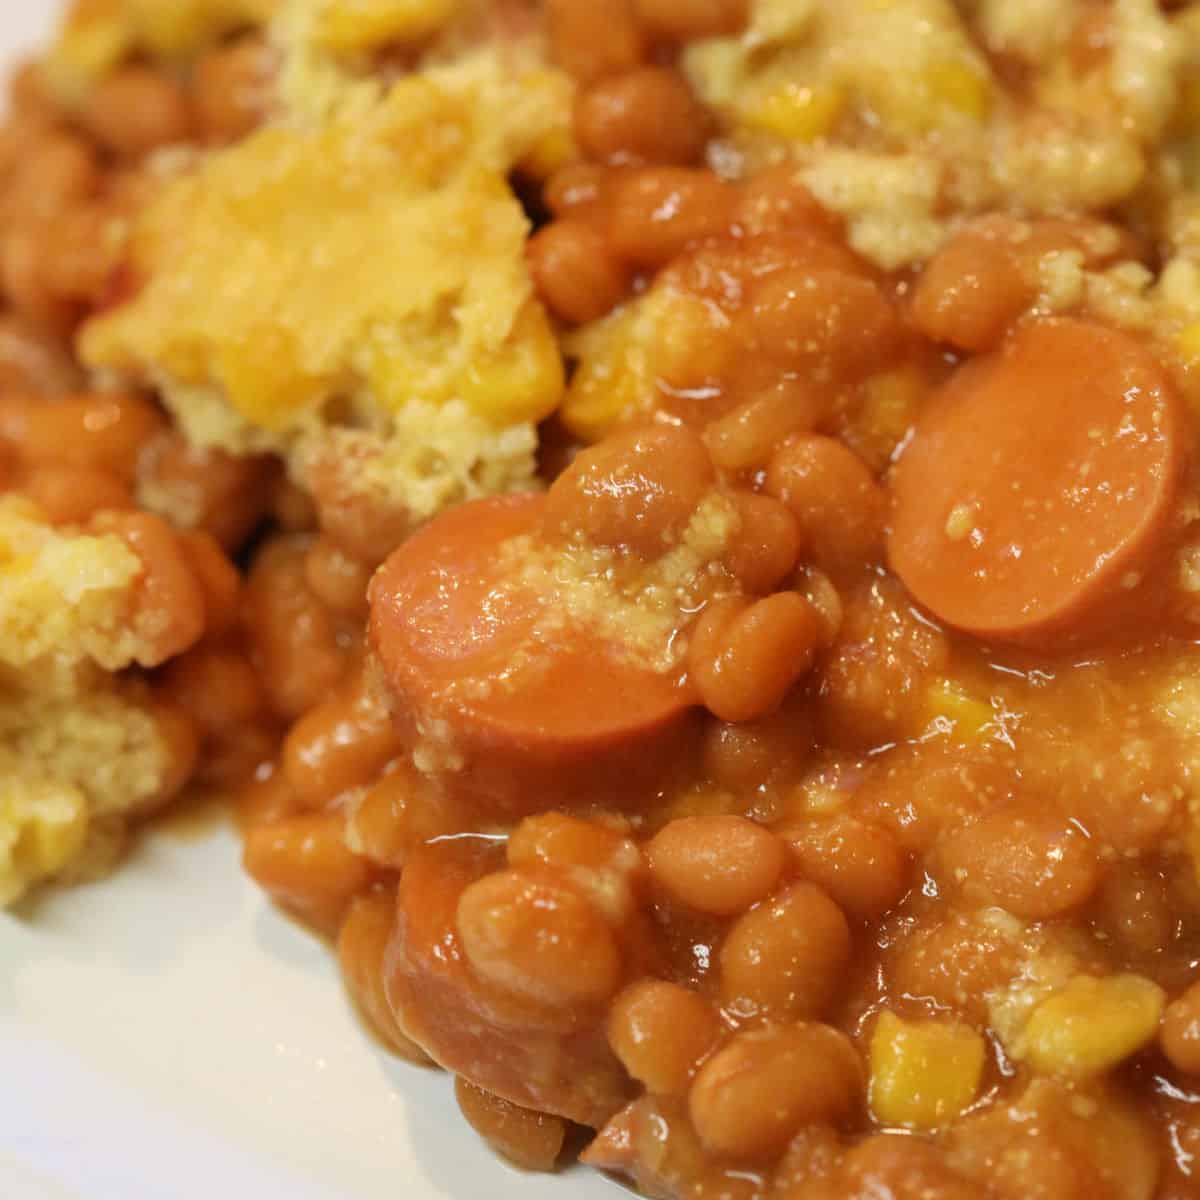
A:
x: 560, y: 1064
x: 511, y: 702
x: 1038, y: 488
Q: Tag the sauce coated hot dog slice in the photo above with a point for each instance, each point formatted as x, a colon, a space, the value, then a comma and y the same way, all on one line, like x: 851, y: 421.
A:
x: 1038, y: 488
x: 510, y: 701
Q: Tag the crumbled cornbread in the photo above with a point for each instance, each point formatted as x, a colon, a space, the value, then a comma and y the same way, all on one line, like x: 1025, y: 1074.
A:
x: 75, y: 744
x: 98, y: 34
x: 901, y: 125
x: 65, y: 597
x: 380, y: 278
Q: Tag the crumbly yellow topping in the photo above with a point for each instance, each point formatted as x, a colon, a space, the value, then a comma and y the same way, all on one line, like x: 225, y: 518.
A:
x: 65, y: 597
x: 379, y: 287
x: 71, y: 768
x: 624, y: 599
x: 98, y: 34
x: 900, y: 124
x: 77, y: 752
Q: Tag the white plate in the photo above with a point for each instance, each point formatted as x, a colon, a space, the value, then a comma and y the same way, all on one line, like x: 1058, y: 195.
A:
x: 166, y: 1035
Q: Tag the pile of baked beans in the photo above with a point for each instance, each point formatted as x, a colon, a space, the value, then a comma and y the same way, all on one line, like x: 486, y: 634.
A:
x: 785, y: 792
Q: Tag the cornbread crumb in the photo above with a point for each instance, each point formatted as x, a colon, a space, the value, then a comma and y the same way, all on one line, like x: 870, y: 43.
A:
x: 424, y: 341
x: 74, y: 744
x: 65, y: 596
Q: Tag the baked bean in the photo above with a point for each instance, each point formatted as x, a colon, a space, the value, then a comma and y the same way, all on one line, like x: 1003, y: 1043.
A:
x: 767, y: 543
x: 205, y: 488
x: 746, y: 437
x: 647, y: 115
x: 576, y: 189
x: 657, y: 212
x: 835, y: 321
x: 303, y: 862
x: 230, y: 89
x: 1024, y: 859
x: 686, y: 20
x: 336, y: 579
x: 744, y: 657
x: 574, y: 271
x: 56, y: 172
x: 532, y: 1140
x: 538, y: 939
x: 874, y: 678
x: 82, y: 248
x: 970, y: 292
x: 832, y: 494
x: 774, y: 200
x: 637, y: 490
x: 136, y: 110
x: 368, y: 527
x: 72, y: 495
x: 592, y: 41
x: 266, y: 799
x: 1180, y: 1031
x: 234, y: 755
x: 754, y: 1094
x: 181, y: 750
x: 216, y: 686
x: 720, y: 865
x: 29, y: 95
x: 340, y: 744
x: 292, y: 507
x: 168, y: 606
x: 1133, y: 907
x: 100, y: 430
x: 901, y: 1168
x: 860, y: 865
x: 661, y: 1031
x: 23, y: 255
x: 560, y: 843
x: 378, y: 825
x: 954, y: 962
x: 362, y: 946
x: 745, y: 756
x: 786, y: 958
x: 293, y: 637
x: 218, y: 578
x: 32, y: 361
x: 818, y: 589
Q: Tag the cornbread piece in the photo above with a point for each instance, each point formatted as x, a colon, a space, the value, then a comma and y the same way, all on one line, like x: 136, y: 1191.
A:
x: 81, y: 748
x: 99, y: 34
x: 377, y: 321
x: 902, y: 125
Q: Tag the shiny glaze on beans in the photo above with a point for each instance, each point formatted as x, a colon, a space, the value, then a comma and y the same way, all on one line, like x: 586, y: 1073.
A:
x: 755, y: 836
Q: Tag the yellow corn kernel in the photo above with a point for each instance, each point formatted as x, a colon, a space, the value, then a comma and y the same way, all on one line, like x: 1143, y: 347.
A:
x: 1091, y: 1025
x: 554, y: 150
x: 928, y: 98
x: 613, y: 380
x: 796, y: 112
x: 923, y: 1073
x: 350, y: 26
x: 891, y: 400
x: 524, y: 380
x: 960, y: 87
x: 691, y: 343
x: 1187, y: 342
x: 957, y: 712
x: 598, y: 401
